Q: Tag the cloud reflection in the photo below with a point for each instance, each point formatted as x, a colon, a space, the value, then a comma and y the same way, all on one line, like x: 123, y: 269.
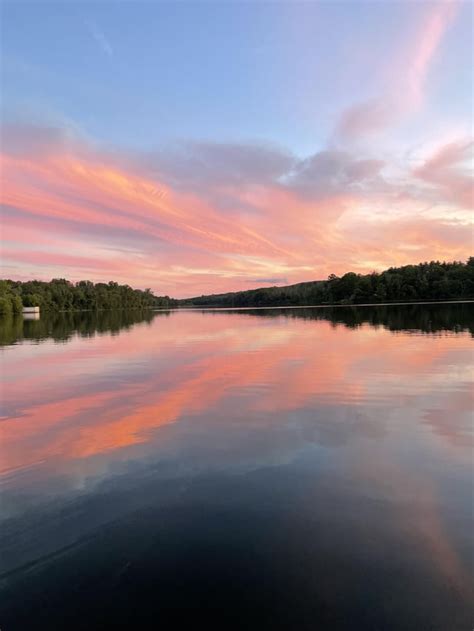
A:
x: 113, y: 393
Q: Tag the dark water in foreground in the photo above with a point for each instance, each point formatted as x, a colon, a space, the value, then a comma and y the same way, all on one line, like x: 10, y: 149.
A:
x: 298, y: 469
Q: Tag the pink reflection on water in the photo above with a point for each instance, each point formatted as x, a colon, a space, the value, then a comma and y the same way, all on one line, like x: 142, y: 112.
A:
x: 102, y: 395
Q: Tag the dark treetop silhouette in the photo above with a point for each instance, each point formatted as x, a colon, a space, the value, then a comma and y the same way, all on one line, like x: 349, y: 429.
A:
x: 425, y: 281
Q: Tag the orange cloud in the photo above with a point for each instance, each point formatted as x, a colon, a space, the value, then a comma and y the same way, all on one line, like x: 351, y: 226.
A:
x: 70, y: 211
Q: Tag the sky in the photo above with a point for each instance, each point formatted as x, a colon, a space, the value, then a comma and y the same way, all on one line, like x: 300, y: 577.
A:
x: 202, y: 147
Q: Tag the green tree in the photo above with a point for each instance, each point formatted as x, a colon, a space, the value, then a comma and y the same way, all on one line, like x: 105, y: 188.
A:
x: 17, y: 303
x: 6, y: 308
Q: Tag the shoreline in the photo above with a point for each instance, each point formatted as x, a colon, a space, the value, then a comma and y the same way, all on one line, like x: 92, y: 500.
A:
x: 327, y: 306
x: 269, y: 307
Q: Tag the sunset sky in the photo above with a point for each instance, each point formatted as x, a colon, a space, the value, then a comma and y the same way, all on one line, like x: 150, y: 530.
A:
x: 214, y: 146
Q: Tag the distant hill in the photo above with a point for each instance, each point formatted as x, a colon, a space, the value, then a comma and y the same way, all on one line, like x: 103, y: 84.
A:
x: 287, y: 295
x: 426, y: 281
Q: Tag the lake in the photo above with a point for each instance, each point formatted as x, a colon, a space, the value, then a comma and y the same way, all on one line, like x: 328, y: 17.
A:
x: 272, y: 469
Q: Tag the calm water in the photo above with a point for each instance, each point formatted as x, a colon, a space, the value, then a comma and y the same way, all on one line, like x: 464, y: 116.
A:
x: 298, y: 469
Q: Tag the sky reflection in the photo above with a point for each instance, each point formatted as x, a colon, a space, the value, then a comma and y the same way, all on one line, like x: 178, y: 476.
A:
x: 99, y: 397
x: 355, y: 439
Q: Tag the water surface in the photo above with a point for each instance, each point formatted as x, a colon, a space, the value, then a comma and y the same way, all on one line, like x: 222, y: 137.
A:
x: 271, y: 469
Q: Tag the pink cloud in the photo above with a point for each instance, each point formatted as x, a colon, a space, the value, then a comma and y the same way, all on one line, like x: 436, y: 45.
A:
x: 366, y: 118
x: 437, y: 20
x: 448, y: 171
x: 406, y: 72
x: 73, y: 211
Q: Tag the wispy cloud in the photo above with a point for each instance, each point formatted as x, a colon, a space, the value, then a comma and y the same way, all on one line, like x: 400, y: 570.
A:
x: 276, y: 280
x: 406, y: 73
x: 99, y: 37
x: 329, y: 212
x: 449, y: 172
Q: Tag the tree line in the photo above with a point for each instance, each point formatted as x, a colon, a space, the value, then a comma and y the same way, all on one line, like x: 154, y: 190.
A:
x: 426, y: 281
x: 62, y: 295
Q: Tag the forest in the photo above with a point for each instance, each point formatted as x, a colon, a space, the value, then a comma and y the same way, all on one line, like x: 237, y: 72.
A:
x: 411, y: 283
x: 426, y: 281
x: 62, y: 295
